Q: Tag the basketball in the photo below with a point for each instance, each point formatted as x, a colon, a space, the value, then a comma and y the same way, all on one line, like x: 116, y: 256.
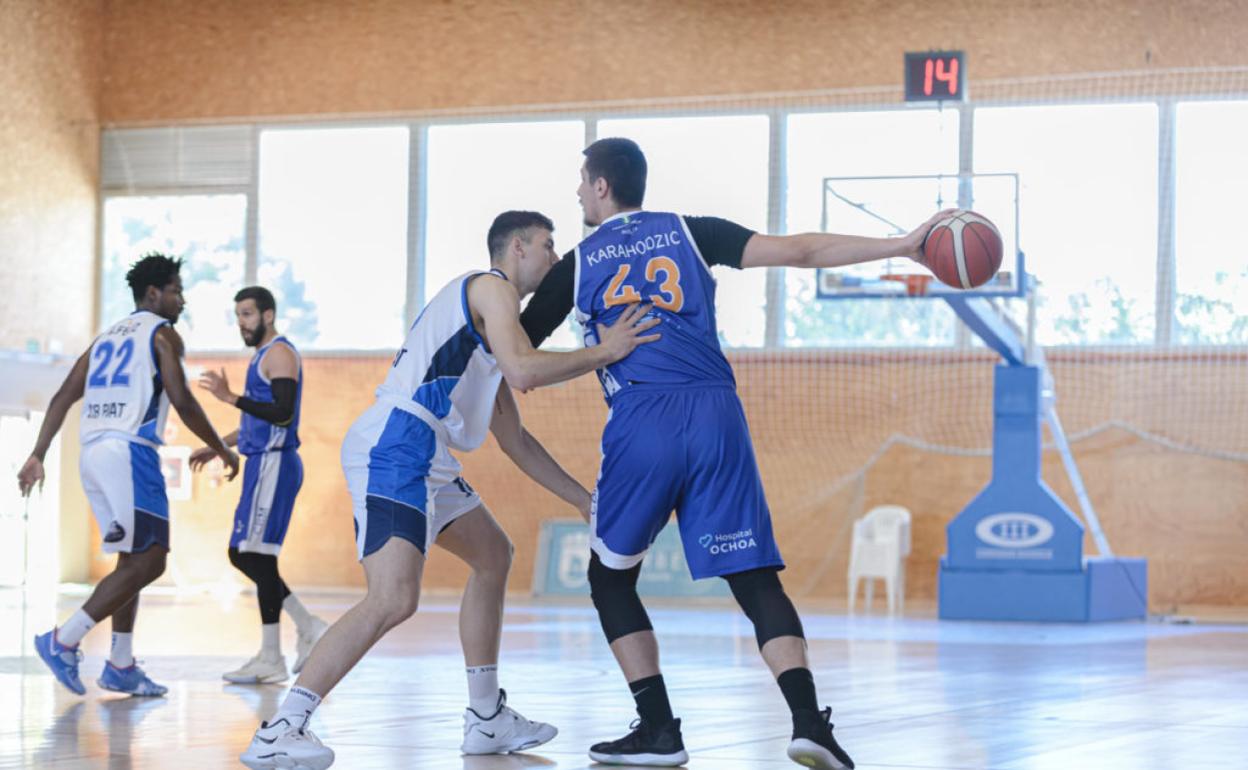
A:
x: 963, y: 250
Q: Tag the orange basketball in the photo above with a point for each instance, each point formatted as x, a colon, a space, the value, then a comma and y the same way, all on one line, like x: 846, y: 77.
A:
x: 964, y: 250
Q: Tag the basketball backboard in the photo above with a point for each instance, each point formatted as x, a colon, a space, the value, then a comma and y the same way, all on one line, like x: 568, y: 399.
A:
x: 883, y: 206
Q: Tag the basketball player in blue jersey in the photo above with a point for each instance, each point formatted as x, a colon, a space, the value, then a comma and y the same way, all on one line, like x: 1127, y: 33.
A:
x: 676, y: 437
x: 443, y: 393
x: 268, y: 436
x: 127, y: 379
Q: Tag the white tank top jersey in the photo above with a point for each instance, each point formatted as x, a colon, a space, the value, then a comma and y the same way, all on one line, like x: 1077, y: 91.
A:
x: 444, y: 372
x: 124, y: 396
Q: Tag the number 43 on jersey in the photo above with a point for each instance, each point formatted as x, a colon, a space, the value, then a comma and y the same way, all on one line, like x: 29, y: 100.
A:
x: 669, y: 296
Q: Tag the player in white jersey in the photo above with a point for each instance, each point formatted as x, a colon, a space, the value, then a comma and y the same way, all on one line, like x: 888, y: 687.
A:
x: 442, y: 393
x: 127, y: 379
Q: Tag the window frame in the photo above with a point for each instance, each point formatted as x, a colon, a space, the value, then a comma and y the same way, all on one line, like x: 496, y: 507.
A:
x: 777, y: 109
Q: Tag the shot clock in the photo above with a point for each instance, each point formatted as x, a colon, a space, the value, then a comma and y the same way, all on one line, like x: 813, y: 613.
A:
x: 936, y: 76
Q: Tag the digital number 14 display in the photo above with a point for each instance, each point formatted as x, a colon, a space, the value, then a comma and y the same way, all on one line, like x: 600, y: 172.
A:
x: 935, y: 76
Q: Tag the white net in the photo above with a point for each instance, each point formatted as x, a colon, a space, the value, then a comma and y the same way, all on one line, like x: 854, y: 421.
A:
x: 1129, y: 190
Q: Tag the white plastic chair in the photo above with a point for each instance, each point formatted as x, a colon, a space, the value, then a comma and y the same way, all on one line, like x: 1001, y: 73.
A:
x: 881, y: 544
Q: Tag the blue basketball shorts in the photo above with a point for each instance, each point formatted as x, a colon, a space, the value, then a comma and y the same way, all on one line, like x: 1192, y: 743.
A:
x: 403, y: 480
x: 126, y: 491
x: 687, y: 449
x: 271, y: 481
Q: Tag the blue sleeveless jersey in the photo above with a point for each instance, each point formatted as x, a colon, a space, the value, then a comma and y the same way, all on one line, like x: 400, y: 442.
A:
x: 646, y: 256
x: 254, y: 434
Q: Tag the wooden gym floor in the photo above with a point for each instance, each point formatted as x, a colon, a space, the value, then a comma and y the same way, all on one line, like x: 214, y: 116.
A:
x: 907, y: 693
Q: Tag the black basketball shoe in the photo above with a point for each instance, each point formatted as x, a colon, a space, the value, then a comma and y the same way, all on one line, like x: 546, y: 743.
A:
x: 813, y: 744
x: 647, y: 744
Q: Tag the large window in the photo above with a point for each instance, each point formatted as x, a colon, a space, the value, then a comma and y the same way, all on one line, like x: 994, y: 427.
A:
x: 711, y: 166
x: 865, y: 144
x: 1088, y: 221
x: 1211, y: 271
x: 335, y: 243
x: 204, y: 230
x: 333, y: 234
x: 478, y: 171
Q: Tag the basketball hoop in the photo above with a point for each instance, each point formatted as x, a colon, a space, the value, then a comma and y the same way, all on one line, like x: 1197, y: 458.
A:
x: 875, y: 206
x: 916, y: 283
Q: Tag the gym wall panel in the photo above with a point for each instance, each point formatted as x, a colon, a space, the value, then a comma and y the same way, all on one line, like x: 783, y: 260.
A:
x: 174, y: 60
x: 49, y: 151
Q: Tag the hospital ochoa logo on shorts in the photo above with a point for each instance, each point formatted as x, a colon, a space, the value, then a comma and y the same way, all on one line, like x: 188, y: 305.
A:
x: 727, y: 543
x: 1014, y: 530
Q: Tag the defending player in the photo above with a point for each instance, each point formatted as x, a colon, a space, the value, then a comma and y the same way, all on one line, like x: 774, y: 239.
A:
x: 268, y: 436
x: 677, y: 423
x: 127, y: 379
x: 443, y: 393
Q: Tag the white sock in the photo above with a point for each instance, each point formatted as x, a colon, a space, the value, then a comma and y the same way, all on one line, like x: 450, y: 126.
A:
x: 298, y: 707
x: 71, y: 632
x: 483, y: 689
x: 271, y: 640
x: 122, y: 655
x: 297, y: 612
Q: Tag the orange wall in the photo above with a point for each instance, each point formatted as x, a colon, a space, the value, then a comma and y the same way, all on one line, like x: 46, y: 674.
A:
x: 49, y: 178
x: 172, y: 60
x: 52, y: 56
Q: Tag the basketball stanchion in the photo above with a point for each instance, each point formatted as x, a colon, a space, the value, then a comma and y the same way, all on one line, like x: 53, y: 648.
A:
x: 1015, y: 551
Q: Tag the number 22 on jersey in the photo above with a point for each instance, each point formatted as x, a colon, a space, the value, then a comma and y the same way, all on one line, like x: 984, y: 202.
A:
x: 670, y: 297
x: 104, y: 355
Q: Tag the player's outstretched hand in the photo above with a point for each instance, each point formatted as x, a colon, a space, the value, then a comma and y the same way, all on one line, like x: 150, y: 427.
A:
x: 230, y: 458
x: 912, y: 243
x: 30, y: 475
x: 217, y: 383
x: 621, y: 337
x: 201, y: 457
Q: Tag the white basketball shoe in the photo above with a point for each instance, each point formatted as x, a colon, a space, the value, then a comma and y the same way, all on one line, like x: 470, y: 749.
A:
x: 286, y: 746
x: 259, y: 670
x: 503, y: 731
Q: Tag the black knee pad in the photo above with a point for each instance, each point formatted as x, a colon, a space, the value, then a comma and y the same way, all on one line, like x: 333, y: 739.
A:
x: 614, y: 592
x: 257, y: 566
x: 760, y: 594
x: 243, y: 562
x: 271, y: 591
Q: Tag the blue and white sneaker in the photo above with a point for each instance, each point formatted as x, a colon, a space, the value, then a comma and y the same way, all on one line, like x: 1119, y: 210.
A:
x: 131, y: 679
x: 62, y: 660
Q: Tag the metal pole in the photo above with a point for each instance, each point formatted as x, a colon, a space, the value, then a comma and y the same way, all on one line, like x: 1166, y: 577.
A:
x: 1166, y: 179
x: 1076, y: 481
x: 773, y: 334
